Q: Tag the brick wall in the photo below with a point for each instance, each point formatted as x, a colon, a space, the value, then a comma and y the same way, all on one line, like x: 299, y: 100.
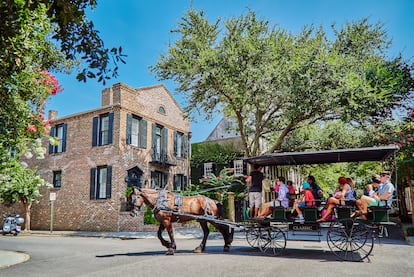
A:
x: 73, y: 209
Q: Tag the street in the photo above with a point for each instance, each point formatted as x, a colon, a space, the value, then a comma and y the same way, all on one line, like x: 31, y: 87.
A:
x: 85, y: 256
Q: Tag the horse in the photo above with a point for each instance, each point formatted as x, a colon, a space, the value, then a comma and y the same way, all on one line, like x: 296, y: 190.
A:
x: 169, y: 207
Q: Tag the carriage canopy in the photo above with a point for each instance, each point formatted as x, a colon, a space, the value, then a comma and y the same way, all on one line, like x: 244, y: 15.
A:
x: 379, y: 153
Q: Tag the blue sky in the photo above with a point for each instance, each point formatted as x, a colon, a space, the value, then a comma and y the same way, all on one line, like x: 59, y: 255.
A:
x: 142, y: 28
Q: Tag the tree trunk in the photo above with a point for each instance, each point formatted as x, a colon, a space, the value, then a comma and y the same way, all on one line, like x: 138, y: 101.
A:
x: 410, y: 185
x: 27, y: 208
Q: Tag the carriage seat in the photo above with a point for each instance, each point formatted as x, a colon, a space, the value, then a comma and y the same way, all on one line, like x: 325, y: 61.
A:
x: 280, y: 213
x: 310, y: 213
x: 380, y: 213
x: 344, y: 211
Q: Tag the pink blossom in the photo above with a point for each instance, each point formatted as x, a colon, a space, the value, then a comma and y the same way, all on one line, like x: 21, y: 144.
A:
x: 32, y: 129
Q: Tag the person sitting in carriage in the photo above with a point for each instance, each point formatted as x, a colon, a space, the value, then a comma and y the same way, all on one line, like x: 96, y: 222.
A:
x: 315, y: 189
x: 382, y: 197
x: 308, y: 200
x: 346, y: 197
x: 281, y: 200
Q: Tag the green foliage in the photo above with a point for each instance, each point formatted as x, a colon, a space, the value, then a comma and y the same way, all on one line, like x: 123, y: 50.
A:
x: 213, y: 152
x: 275, y: 83
x: 149, y: 216
x: 218, y: 187
x: 128, y: 192
x: 410, y: 231
x: 18, y: 183
x: 30, y: 32
x: 327, y: 175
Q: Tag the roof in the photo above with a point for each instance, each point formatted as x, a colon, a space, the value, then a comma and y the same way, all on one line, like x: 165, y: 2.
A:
x: 325, y: 156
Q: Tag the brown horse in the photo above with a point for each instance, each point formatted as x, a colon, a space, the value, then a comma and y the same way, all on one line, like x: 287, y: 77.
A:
x: 170, y: 207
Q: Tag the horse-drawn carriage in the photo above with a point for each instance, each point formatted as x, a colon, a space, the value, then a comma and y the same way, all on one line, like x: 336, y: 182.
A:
x: 350, y: 239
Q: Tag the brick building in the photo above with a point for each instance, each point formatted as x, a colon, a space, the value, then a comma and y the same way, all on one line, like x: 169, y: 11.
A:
x: 137, y: 137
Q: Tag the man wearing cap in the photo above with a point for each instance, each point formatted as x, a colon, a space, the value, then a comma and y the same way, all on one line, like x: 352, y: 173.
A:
x: 382, y: 197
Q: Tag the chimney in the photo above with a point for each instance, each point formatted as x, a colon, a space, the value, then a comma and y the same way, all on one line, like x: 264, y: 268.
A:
x: 52, y: 115
x: 107, y: 97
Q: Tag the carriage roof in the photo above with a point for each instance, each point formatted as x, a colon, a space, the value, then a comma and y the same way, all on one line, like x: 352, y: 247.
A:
x: 379, y: 153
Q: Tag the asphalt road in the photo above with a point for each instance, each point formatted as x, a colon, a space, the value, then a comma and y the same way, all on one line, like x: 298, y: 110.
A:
x: 86, y: 256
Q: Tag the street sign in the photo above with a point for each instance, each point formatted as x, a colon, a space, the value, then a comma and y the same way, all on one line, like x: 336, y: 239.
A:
x: 52, y: 196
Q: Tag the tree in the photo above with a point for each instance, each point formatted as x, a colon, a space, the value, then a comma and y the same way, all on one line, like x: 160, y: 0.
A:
x: 29, y: 33
x: 401, y: 133
x: 275, y: 83
x: 38, y: 38
x: 19, y: 184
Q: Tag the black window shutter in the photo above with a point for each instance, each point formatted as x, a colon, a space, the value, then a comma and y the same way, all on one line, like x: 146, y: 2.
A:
x: 154, y: 144
x: 51, y: 146
x: 185, y: 147
x: 175, y: 181
x: 93, y: 184
x: 214, y: 168
x: 244, y: 167
x: 143, y: 133
x: 165, y: 141
x: 175, y: 143
x: 95, y: 131
x: 110, y: 127
x: 65, y: 128
x: 185, y: 182
x: 108, y: 182
x: 129, y: 129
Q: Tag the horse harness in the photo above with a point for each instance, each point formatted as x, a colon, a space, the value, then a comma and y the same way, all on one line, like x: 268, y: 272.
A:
x: 162, y: 199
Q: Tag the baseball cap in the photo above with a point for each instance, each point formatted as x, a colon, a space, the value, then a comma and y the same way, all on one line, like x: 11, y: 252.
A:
x: 306, y: 185
x: 385, y: 172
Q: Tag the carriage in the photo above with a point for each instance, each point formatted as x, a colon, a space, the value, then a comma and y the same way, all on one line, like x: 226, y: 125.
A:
x: 350, y: 239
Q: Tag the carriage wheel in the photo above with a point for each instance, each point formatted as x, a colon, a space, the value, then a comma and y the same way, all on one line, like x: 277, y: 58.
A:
x: 252, y: 236
x: 272, y: 241
x: 350, y: 241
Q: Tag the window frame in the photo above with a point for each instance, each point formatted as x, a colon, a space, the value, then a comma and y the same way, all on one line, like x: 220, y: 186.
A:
x: 101, y: 188
x: 57, y: 179
x: 61, y: 138
x: 102, y: 134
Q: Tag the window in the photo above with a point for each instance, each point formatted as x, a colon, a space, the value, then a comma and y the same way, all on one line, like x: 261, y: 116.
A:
x: 136, y: 131
x: 159, y: 143
x: 208, y: 169
x: 58, y: 131
x: 57, y: 179
x: 102, y: 129
x: 238, y: 166
x: 159, y: 179
x: 180, y: 144
x: 101, y: 182
x: 180, y: 182
x: 161, y: 109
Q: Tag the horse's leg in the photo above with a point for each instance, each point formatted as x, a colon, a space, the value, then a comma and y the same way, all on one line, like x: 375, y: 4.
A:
x: 227, y: 233
x: 165, y: 243
x: 172, y: 247
x: 206, y: 232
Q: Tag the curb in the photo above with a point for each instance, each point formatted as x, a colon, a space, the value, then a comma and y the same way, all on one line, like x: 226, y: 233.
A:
x: 10, y: 258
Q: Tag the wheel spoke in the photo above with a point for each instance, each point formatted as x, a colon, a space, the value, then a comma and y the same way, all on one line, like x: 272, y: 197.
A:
x: 350, y: 242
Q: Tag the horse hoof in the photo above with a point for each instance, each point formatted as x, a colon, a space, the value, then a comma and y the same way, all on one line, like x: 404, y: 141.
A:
x: 226, y: 249
x: 170, y: 252
x: 198, y: 250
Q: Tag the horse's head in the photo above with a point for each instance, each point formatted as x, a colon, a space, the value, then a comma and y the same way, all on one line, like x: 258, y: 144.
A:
x: 136, y: 201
